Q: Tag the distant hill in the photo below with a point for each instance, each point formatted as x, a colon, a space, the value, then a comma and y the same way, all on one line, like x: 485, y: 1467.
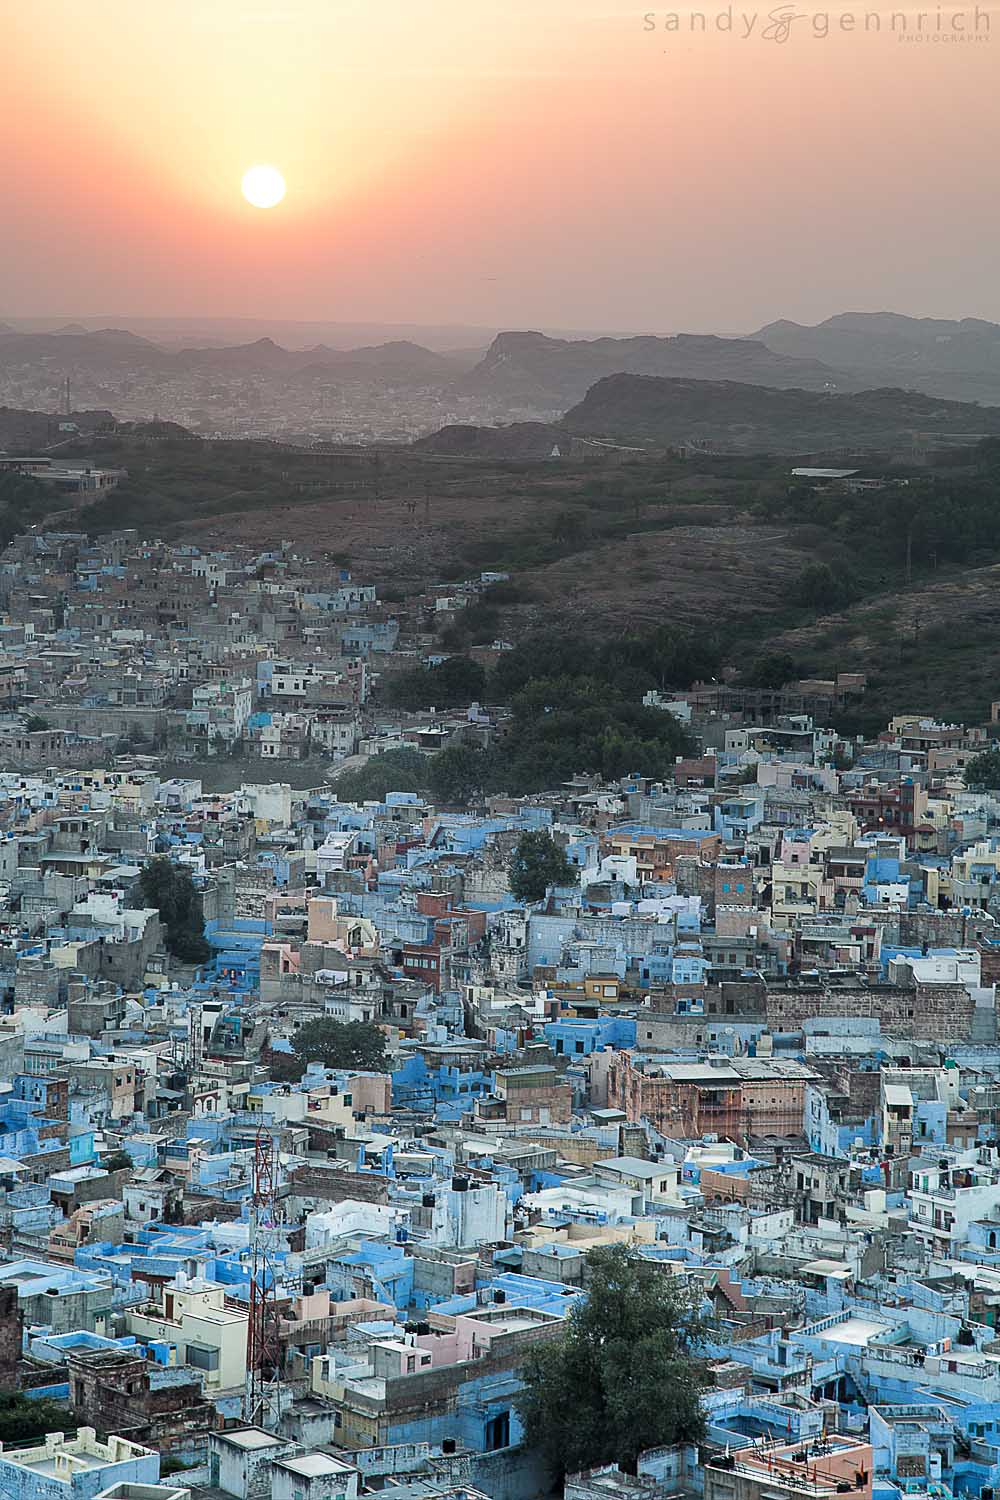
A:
x: 157, y: 430
x: 24, y: 431
x: 960, y: 359
x: 398, y: 360
x: 734, y: 417
x: 534, y: 368
x: 261, y: 356
x: 107, y: 352
x: 518, y: 440
x: 533, y: 374
x: 197, y: 332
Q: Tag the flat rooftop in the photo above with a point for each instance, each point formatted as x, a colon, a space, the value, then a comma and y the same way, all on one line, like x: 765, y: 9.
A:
x: 856, y: 1331
x: 47, y: 1466
x: 315, y: 1465
x: 635, y: 1166
x: 250, y: 1439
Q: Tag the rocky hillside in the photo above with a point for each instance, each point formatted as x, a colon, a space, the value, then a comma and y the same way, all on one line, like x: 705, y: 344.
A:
x: 535, y: 369
x: 727, y: 416
x: 947, y: 357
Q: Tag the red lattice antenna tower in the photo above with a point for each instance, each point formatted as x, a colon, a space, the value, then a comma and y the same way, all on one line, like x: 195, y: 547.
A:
x: 262, y: 1403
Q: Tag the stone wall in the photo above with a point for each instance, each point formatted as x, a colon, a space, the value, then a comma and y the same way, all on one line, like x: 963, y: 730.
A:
x: 925, y: 1012
x: 334, y: 1186
x: 116, y: 1392
x: 11, y: 1326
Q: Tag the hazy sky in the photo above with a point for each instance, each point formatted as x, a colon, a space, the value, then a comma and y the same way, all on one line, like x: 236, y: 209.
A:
x: 570, y: 163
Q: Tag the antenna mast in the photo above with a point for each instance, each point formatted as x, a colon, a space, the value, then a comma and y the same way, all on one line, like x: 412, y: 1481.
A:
x: 262, y: 1404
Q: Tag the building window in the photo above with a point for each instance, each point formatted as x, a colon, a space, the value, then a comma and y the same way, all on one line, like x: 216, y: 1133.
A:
x: 497, y: 1434
x: 201, y: 1357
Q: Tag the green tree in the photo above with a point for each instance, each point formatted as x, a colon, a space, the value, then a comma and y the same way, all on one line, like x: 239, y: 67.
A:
x: 453, y: 683
x: 984, y: 770
x: 578, y: 724
x: 659, y: 658
x: 460, y: 774
x: 392, y: 771
x: 821, y: 587
x: 22, y: 1419
x: 537, y: 863
x: 118, y: 1161
x: 476, y: 624
x: 569, y: 526
x: 171, y: 890
x: 341, y: 1044
x: 772, y: 670
x: 622, y: 1377
x: 22, y: 500
x: 36, y: 723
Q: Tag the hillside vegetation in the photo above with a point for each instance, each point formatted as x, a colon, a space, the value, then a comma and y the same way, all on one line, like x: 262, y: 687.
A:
x: 731, y: 416
x: 772, y: 569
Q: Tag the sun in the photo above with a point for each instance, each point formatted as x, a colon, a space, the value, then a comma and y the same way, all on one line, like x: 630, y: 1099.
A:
x: 263, y: 186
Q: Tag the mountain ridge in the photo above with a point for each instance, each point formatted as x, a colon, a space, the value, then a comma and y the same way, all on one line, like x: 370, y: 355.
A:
x: 562, y: 370
x: 733, y: 416
x: 930, y: 354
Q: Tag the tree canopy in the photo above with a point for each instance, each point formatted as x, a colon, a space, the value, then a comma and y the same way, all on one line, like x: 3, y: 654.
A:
x: 118, y: 1161
x: 453, y: 683
x: 984, y: 770
x: 772, y: 670
x: 392, y: 771
x: 22, y: 1419
x: 567, y: 725
x: 559, y: 728
x: 822, y: 587
x: 622, y: 1377
x: 630, y: 664
x: 461, y: 773
x: 537, y: 863
x: 22, y: 500
x: 341, y: 1044
x: 171, y: 890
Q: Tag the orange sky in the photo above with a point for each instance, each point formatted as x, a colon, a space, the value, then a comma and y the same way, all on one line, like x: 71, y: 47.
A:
x: 511, y: 162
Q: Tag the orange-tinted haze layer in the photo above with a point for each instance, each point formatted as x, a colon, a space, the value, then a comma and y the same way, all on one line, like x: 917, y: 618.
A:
x: 575, y: 162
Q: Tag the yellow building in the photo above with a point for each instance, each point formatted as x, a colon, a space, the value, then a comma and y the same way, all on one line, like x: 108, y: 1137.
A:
x: 207, y: 1335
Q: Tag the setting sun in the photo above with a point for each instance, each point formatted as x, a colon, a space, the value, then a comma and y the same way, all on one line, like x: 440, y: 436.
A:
x: 263, y: 186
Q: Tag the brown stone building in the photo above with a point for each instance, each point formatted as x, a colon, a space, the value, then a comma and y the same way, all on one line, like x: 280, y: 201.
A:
x: 733, y: 1098
x: 532, y: 1095
x: 925, y: 1012
x: 126, y: 1393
